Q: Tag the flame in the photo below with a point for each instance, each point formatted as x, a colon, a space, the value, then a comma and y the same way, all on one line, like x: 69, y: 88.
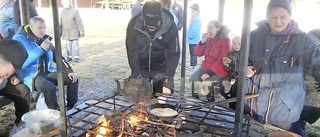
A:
x: 105, y: 123
x: 133, y: 120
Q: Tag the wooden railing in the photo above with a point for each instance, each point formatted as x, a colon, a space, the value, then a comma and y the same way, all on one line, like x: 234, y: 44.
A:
x: 113, y: 4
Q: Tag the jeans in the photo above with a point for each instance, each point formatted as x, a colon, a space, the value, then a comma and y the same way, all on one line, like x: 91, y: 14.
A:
x: 75, y: 44
x: 193, y: 57
x: 202, y: 87
x: 46, y: 83
x: 20, y: 95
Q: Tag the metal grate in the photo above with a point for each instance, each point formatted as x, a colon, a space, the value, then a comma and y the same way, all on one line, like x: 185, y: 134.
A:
x: 84, y: 118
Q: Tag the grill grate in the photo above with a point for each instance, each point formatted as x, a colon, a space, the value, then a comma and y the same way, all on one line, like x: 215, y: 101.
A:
x: 215, y: 121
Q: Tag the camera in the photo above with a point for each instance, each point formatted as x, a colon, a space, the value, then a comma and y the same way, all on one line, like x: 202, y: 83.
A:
x: 47, y: 37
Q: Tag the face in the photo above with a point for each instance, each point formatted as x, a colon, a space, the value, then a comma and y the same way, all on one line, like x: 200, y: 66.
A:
x: 236, y: 44
x: 66, y: 3
x: 38, y: 29
x: 212, y: 30
x: 278, y: 19
x: 6, y: 70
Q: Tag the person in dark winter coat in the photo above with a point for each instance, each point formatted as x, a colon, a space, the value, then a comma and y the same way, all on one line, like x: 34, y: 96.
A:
x: 177, y: 10
x: 311, y: 109
x: 11, y: 80
x: 288, y: 51
x: 72, y: 29
x: 151, y: 47
x: 16, y: 11
x: 39, y: 72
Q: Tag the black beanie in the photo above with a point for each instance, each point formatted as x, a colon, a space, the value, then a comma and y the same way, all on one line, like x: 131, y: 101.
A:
x: 152, y: 14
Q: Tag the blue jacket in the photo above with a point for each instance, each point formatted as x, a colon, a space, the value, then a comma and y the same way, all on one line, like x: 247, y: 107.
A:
x: 6, y: 20
x: 38, y: 61
x: 280, y: 83
x: 193, y: 33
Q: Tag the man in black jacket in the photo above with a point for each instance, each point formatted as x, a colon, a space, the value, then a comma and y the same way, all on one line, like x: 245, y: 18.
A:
x: 151, y: 47
x: 16, y: 12
x: 11, y: 85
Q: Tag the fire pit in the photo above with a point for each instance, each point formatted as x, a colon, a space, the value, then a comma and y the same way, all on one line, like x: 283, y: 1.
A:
x: 114, y: 116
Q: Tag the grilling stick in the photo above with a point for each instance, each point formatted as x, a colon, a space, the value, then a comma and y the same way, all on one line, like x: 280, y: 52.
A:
x: 229, y: 100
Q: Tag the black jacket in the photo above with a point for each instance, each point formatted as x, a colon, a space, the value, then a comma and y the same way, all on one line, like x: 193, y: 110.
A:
x: 16, y: 11
x: 152, y: 54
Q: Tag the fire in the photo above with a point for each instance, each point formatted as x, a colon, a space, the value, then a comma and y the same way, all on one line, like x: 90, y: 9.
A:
x: 133, y: 120
x: 103, y: 130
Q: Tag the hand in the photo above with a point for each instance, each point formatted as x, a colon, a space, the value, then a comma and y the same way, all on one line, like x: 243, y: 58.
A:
x: 226, y: 61
x: 204, y: 76
x: 250, y: 71
x: 73, y: 76
x: 81, y: 35
x: 204, y: 37
x: 45, y: 44
x: 166, y: 90
x: 14, y: 80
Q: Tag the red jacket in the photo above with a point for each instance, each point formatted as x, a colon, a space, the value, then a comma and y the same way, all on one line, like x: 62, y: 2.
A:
x: 213, y: 50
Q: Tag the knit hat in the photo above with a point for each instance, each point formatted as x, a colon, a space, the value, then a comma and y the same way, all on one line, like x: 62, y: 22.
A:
x: 279, y: 3
x: 15, y: 53
x: 152, y: 14
x: 195, y: 7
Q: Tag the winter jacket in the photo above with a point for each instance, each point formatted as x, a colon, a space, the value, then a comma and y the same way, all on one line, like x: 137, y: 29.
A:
x: 16, y: 11
x: 152, y: 54
x: 38, y: 61
x: 213, y: 50
x: 178, y: 11
x: 71, y: 24
x: 234, y: 66
x: 193, y: 32
x: 280, y: 83
x: 136, y: 9
x: 6, y: 20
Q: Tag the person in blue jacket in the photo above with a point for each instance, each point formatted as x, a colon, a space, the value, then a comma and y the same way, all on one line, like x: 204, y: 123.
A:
x: 38, y: 71
x: 193, y: 34
x: 280, y: 83
x: 6, y: 19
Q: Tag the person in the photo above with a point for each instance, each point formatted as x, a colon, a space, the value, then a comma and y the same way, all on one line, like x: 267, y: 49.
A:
x: 6, y: 19
x: 214, y: 45
x: 177, y: 10
x: 72, y: 29
x: 166, y: 4
x: 151, y: 47
x: 280, y: 83
x: 16, y: 12
x: 11, y: 85
x: 193, y: 34
x: 136, y: 8
x: 38, y: 72
x: 311, y: 110
x: 231, y: 64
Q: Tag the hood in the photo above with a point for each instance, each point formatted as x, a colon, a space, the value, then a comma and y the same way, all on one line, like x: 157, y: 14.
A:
x: 292, y: 27
x: 167, y: 21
